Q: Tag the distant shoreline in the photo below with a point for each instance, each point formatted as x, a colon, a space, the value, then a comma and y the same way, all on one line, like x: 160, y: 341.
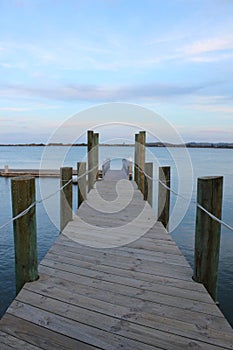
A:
x: 224, y: 145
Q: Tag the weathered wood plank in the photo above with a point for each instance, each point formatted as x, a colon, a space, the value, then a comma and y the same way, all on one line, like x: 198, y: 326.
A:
x: 38, y: 335
x: 137, y: 295
x: 108, y: 319
x: 101, y: 330
x: 91, y: 265
x: 124, y: 281
x: 102, y: 287
x: 74, y: 329
x: 68, y: 291
x: 8, y: 341
x: 161, y: 257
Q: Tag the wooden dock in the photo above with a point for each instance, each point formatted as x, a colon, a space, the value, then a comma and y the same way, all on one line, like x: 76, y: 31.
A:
x: 107, y: 284
x: 30, y: 172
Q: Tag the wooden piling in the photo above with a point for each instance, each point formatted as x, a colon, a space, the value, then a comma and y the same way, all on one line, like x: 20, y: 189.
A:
x: 142, y: 156
x: 90, y: 145
x: 66, y: 213
x: 130, y: 170
x: 148, y: 184
x: 25, y: 241
x: 136, y: 159
x: 96, y: 155
x: 164, y: 196
x: 208, y: 231
x: 82, y: 182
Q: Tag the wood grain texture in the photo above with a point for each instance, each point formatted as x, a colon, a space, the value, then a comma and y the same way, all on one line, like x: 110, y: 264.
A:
x: 208, y: 233
x: 23, y: 190
x: 137, y: 295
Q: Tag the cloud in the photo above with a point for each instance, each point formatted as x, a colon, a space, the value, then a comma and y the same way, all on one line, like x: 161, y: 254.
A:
x: 6, y: 120
x: 14, y: 109
x: 100, y: 93
x: 29, y: 107
x: 212, y: 58
x: 212, y: 104
x: 213, y: 108
x: 209, y: 45
x: 209, y: 50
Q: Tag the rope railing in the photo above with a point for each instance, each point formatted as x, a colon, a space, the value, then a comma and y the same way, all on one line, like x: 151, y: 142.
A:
x: 191, y: 201
x: 39, y: 201
x: 146, y: 175
x: 126, y: 165
x: 105, y: 165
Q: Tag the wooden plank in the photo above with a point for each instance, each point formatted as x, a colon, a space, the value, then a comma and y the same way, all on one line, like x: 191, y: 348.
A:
x: 122, y: 251
x: 103, y: 287
x: 75, y: 329
x: 104, y: 277
x: 139, y: 295
x: 108, y: 319
x: 135, y: 264
x: 126, y: 306
x: 73, y: 293
x: 38, y: 335
x: 91, y: 264
x: 8, y: 341
x: 95, y: 328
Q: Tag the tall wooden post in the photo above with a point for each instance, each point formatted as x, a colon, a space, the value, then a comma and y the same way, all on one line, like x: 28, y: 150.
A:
x: 130, y: 169
x: 96, y: 155
x: 66, y: 213
x: 136, y: 159
x: 148, y: 185
x: 208, y: 231
x: 82, y: 182
x: 142, y: 154
x: 90, y: 146
x: 164, y: 196
x: 26, y: 265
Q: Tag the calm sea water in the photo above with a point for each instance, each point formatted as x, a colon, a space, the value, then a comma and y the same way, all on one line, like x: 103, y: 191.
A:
x: 203, y: 162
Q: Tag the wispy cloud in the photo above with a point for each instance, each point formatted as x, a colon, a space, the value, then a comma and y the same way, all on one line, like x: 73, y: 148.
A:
x: 209, y: 50
x: 101, y: 93
x: 213, y: 108
x: 210, y: 45
x: 14, y: 109
x: 31, y: 107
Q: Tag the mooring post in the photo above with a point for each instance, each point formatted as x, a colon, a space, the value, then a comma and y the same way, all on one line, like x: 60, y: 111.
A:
x: 90, y: 146
x: 208, y: 232
x: 136, y: 159
x: 96, y: 155
x: 130, y: 169
x: 142, y: 154
x: 82, y: 182
x: 66, y: 213
x: 164, y: 196
x: 26, y: 264
x: 148, y: 183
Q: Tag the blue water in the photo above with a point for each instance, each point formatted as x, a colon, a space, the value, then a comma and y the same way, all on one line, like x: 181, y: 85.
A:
x: 203, y: 162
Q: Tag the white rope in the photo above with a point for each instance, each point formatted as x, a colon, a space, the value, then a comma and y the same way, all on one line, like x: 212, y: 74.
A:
x: 212, y: 216
x: 19, y: 215
x: 24, y: 212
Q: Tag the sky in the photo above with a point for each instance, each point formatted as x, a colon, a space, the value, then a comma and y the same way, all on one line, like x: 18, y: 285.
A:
x: 60, y: 57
